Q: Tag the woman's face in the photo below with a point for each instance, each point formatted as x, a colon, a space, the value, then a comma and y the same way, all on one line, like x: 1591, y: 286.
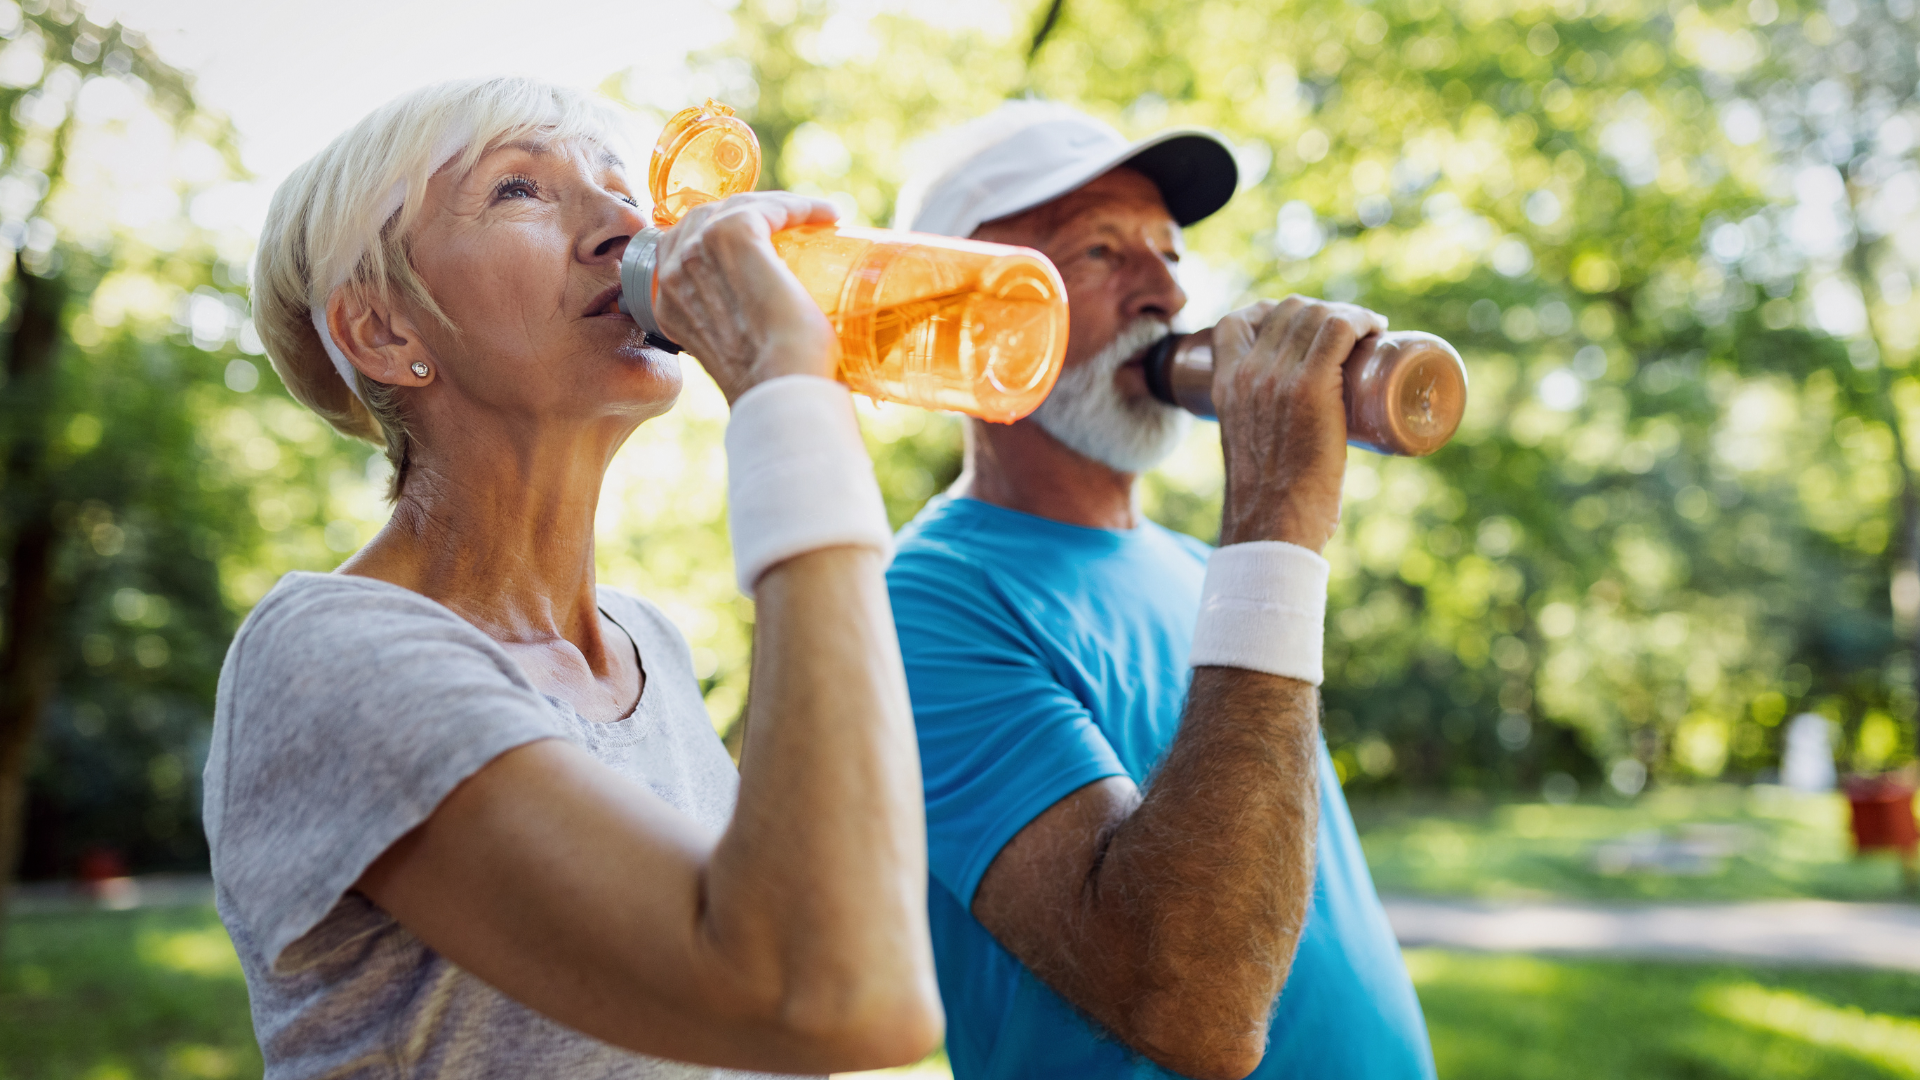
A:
x: 523, y: 252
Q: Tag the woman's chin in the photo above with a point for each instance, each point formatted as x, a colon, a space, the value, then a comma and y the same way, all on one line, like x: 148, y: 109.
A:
x: 645, y: 380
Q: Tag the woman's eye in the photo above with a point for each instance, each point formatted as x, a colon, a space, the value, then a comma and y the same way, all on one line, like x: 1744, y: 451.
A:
x: 517, y: 187
x: 1099, y: 251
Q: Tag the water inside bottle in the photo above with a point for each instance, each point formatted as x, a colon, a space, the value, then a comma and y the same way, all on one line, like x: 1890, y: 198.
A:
x: 939, y: 322
x: 926, y: 320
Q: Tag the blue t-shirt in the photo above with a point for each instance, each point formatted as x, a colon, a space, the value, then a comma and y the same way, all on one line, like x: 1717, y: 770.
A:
x: 1042, y: 657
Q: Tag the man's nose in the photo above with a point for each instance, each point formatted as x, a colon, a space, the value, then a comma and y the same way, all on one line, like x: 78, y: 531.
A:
x: 1157, y: 293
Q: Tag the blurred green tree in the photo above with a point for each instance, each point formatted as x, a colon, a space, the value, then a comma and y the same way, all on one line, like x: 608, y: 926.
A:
x: 1666, y: 524
x: 1831, y: 90
x: 70, y: 464
x: 140, y: 453
x: 1674, y: 516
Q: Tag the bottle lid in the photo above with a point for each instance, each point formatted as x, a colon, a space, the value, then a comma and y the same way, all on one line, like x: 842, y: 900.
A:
x: 705, y: 154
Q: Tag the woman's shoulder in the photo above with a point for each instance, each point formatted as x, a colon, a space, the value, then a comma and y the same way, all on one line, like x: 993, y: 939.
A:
x: 302, y: 598
x: 330, y: 620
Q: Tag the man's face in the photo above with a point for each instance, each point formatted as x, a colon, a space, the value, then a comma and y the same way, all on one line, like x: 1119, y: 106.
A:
x: 1115, y: 246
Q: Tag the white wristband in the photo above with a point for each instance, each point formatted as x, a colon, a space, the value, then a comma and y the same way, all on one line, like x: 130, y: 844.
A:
x: 798, y: 476
x: 1263, y: 608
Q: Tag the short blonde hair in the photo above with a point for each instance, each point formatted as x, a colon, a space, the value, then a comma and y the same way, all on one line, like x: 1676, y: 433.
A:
x: 342, y: 219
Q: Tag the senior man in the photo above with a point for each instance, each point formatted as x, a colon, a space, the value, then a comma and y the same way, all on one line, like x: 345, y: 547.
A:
x: 1141, y: 859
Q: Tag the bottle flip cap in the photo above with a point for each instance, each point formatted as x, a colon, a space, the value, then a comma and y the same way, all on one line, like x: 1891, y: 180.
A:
x: 704, y: 154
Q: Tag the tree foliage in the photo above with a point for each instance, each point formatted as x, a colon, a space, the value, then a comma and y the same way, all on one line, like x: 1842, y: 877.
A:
x: 1672, y: 516
x: 1676, y: 242
x: 154, y: 484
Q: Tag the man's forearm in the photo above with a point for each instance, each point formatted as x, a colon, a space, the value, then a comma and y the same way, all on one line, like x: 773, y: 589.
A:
x: 1179, y: 928
x: 1173, y: 917
x: 1209, y: 880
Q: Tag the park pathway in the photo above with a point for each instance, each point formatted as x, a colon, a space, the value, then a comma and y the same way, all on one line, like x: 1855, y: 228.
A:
x: 1777, y: 931
x: 1774, y: 931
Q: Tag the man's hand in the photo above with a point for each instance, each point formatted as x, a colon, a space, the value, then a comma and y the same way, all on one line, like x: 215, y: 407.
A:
x: 1278, y: 378
x: 726, y: 297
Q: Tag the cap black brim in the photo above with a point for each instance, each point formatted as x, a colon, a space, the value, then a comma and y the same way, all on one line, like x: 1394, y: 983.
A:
x: 1196, y: 175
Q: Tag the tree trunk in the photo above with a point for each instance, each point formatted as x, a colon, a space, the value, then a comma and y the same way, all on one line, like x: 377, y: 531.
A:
x: 1903, y: 577
x: 1905, y: 583
x: 26, y: 641
x: 1045, y: 29
x: 1904, y: 573
x: 1906, y: 567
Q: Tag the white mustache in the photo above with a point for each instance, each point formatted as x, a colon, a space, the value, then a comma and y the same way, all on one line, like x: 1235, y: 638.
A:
x: 1087, y: 412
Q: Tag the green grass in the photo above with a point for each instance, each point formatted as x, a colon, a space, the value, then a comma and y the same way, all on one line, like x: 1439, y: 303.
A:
x: 107, y: 995
x: 1524, y: 1018
x: 133, y: 994
x: 1790, y: 845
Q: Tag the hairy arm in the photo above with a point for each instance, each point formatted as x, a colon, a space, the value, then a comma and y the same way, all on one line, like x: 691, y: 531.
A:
x: 1173, y: 919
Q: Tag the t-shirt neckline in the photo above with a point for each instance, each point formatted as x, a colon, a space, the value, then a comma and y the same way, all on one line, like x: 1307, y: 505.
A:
x: 640, y: 704
x: 987, y: 509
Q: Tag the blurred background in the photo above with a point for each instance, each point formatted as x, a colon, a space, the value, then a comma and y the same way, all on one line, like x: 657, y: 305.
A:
x: 1677, y: 243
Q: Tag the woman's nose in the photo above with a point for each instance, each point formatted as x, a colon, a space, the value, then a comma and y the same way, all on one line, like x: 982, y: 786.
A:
x: 607, y: 240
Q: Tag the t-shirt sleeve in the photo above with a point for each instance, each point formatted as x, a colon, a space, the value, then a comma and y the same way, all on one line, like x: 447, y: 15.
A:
x: 347, y: 713
x: 1001, y: 738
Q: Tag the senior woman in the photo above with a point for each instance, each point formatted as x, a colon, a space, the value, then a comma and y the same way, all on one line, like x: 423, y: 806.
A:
x: 467, y: 813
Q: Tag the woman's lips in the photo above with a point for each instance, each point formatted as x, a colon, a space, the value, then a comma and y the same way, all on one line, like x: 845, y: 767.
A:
x: 606, y: 304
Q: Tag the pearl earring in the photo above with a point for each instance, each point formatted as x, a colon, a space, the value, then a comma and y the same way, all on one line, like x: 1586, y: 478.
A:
x: 420, y: 368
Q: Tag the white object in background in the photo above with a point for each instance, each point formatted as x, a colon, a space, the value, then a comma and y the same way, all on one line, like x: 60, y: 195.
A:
x: 1807, y: 764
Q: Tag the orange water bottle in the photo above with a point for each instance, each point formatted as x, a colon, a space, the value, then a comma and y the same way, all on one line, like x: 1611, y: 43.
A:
x: 924, y: 320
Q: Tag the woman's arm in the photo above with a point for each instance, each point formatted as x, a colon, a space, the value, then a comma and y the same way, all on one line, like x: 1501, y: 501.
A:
x: 795, y: 941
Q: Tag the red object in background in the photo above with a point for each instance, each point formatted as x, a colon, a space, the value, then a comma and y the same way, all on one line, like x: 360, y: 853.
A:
x: 103, y: 876
x: 101, y: 864
x: 1883, y: 814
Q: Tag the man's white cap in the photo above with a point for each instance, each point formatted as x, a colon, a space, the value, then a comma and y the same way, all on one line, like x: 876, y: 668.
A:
x: 1029, y: 152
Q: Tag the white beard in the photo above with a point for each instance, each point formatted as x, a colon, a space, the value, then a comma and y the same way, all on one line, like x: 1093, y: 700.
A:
x: 1087, y: 412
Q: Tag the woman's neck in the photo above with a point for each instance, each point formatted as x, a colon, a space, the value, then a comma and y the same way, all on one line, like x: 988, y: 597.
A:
x: 502, y: 533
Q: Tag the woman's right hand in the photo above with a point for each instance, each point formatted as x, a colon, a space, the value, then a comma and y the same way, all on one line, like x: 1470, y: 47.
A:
x: 726, y: 297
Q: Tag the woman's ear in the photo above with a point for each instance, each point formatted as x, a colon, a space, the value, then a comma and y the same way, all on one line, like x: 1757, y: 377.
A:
x: 377, y: 340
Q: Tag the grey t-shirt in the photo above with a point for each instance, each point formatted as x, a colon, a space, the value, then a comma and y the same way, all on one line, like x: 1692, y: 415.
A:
x: 348, y: 708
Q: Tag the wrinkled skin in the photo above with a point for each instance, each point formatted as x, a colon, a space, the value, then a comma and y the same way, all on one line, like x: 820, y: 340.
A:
x: 795, y: 941
x: 1171, y: 915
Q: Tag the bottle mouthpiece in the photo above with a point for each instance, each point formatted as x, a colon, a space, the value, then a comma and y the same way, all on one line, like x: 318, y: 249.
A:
x: 704, y: 154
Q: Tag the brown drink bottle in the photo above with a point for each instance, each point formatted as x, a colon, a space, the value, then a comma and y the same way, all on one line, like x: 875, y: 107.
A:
x: 1405, y: 390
